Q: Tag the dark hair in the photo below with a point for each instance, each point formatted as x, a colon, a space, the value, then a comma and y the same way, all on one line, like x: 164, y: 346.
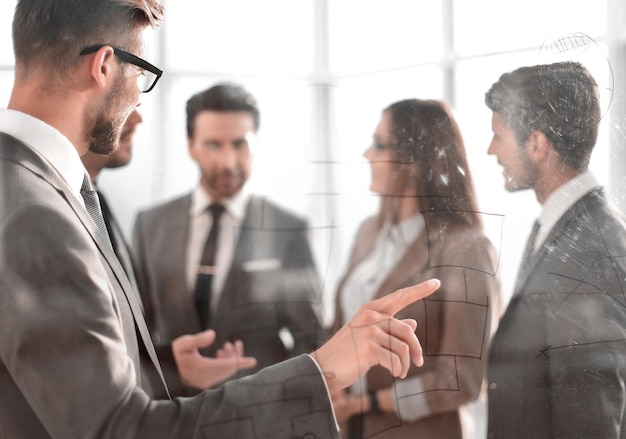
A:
x: 224, y: 97
x: 427, y: 139
x: 52, y: 33
x: 560, y: 100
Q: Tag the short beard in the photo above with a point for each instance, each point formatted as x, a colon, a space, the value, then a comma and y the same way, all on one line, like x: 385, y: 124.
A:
x: 103, y: 138
x: 105, y: 132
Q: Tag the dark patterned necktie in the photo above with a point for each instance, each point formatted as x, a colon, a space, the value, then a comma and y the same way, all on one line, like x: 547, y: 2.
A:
x: 92, y: 204
x: 133, y: 319
x: 206, y: 269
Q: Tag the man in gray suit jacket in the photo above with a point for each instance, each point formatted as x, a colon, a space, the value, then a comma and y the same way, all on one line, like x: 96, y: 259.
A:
x: 557, y: 366
x: 76, y: 360
x: 265, y: 291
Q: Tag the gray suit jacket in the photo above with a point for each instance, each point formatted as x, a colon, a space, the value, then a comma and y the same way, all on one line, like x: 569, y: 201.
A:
x: 75, y: 359
x: 558, y: 361
x: 271, y: 283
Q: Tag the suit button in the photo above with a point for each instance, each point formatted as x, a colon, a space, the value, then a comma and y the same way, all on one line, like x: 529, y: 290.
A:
x: 492, y: 386
x: 309, y: 436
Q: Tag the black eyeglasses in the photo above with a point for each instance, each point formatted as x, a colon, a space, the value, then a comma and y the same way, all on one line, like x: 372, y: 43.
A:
x: 148, y: 78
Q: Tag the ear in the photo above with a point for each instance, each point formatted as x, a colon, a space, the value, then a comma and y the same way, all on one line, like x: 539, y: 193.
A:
x: 538, y: 147
x: 103, y: 66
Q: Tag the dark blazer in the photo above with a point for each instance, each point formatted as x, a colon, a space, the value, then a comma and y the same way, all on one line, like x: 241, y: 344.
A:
x: 454, y: 324
x: 271, y: 283
x: 76, y: 360
x: 558, y: 362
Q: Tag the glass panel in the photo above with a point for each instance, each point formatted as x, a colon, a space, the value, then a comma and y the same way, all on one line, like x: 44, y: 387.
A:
x: 281, y: 154
x: 484, y: 26
x: 520, y: 208
x: 375, y: 35
x: 268, y: 37
x: 356, y: 106
x: 516, y: 210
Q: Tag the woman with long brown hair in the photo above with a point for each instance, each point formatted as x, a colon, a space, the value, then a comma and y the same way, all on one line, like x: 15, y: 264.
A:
x: 428, y: 225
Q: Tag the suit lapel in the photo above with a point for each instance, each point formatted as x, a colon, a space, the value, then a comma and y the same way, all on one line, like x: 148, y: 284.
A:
x: 413, y: 261
x: 180, y: 223
x: 174, y: 255
x: 575, y: 213
x: 20, y: 153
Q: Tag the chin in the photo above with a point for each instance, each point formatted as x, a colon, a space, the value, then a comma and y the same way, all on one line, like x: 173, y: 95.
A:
x: 376, y: 188
x: 512, y: 187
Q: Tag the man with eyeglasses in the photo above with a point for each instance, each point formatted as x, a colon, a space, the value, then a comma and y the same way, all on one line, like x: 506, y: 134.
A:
x: 76, y: 360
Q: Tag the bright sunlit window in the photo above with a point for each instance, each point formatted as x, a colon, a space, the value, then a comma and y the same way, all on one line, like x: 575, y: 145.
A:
x: 323, y: 70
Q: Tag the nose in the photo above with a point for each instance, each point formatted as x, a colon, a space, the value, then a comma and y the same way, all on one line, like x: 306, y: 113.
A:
x: 368, y: 153
x: 492, y: 148
x: 228, y: 157
x: 135, y: 117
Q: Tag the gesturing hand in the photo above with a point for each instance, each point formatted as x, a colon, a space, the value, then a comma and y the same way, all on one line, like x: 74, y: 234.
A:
x: 375, y: 337
x: 202, y: 372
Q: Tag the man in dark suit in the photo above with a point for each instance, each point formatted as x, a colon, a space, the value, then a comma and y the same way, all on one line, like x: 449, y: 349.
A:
x: 264, y: 290
x: 557, y: 366
x: 229, y: 358
x: 76, y: 359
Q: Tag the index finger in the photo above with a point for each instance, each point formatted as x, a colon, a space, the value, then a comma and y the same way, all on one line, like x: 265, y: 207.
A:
x: 394, y: 302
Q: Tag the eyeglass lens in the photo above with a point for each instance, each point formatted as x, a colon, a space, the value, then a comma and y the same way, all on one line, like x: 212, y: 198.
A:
x: 145, y: 80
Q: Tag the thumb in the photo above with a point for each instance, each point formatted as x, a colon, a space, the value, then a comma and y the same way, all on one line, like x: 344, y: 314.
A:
x: 204, y: 339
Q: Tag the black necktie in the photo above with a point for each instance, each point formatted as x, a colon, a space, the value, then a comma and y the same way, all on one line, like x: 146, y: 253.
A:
x: 121, y: 249
x: 206, y: 269
x: 92, y: 204
x: 530, y: 244
x: 526, y: 257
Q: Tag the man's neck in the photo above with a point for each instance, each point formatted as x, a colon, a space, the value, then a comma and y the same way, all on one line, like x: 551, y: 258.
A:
x: 551, y: 181
x: 55, y: 110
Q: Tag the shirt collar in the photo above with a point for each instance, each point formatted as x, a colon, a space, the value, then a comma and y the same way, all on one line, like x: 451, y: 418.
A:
x: 48, y: 142
x: 559, y: 201
x: 235, y: 205
x: 405, y: 231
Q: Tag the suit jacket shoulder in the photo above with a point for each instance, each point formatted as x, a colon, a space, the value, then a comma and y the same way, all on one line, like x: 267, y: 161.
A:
x: 152, y: 217
x: 262, y: 212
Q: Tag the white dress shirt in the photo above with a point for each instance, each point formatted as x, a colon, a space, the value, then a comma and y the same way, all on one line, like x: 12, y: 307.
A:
x: 561, y: 200
x: 200, y: 225
x: 49, y: 143
x: 367, y: 277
